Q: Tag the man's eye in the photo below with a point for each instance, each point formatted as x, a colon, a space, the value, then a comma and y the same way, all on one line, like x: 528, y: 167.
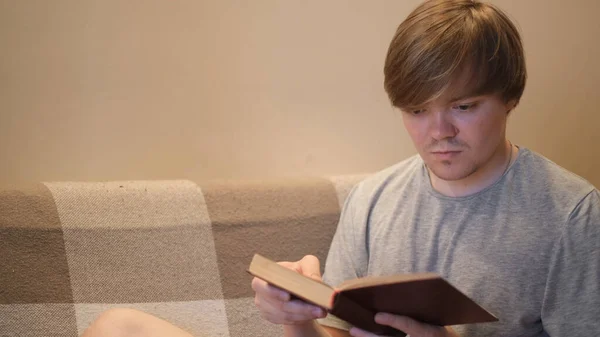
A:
x: 464, y: 107
x: 416, y: 112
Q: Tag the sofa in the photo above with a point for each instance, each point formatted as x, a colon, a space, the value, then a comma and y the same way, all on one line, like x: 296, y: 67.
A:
x: 175, y: 249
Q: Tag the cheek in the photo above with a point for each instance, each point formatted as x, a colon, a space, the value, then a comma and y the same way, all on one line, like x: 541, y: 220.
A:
x: 415, y: 129
x: 482, y: 132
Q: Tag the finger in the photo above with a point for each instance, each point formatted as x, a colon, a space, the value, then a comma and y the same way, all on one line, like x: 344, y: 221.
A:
x: 282, y: 300
x: 270, y: 309
x: 264, y: 289
x: 291, y: 265
x: 311, y: 267
x: 410, y: 326
x: 270, y: 312
x: 301, y: 308
x: 289, y: 312
x: 289, y: 319
x: 297, y: 308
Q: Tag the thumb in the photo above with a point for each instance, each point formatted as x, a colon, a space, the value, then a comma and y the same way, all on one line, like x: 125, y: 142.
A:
x: 311, y: 267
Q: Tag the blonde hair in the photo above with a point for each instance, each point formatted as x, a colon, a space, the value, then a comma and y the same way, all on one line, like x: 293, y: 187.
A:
x: 441, y: 40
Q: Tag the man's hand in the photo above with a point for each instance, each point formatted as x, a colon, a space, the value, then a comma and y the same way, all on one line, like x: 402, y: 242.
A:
x: 277, y: 306
x: 408, y: 325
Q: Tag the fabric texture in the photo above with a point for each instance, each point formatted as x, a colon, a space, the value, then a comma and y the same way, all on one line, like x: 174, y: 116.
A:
x: 175, y: 249
x: 527, y: 248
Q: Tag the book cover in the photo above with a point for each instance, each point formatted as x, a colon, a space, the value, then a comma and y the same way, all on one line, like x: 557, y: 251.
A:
x: 426, y: 297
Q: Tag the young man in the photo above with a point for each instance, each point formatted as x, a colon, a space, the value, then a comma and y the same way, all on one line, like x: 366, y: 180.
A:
x: 513, y: 230
x: 516, y: 232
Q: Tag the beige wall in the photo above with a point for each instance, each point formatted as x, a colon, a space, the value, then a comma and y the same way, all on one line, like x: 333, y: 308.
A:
x: 149, y: 89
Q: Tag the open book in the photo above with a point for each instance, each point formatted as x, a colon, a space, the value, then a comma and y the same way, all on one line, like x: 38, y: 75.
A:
x: 426, y: 297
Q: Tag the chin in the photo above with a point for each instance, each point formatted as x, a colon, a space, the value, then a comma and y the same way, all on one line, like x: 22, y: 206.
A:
x: 450, y: 172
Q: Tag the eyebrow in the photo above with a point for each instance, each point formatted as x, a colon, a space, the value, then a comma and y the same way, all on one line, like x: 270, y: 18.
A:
x: 463, y: 96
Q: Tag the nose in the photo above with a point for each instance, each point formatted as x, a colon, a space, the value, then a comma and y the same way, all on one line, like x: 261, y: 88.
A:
x: 442, y: 126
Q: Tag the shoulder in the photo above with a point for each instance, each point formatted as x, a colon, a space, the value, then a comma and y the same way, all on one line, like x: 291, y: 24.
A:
x: 541, y: 175
x: 401, y: 176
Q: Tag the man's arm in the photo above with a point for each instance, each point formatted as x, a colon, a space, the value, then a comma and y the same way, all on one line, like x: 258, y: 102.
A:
x: 572, y: 295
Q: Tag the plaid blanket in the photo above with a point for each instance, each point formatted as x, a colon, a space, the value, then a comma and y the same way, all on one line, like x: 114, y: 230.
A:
x: 175, y: 249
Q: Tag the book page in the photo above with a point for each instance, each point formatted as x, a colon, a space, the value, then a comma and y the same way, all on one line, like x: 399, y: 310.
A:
x: 370, y: 281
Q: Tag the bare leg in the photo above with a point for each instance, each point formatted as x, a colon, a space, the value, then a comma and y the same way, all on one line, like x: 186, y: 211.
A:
x: 123, y: 322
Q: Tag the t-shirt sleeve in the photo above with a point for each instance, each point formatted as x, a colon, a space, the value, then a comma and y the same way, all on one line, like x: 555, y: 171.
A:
x: 572, y: 298
x: 348, y: 254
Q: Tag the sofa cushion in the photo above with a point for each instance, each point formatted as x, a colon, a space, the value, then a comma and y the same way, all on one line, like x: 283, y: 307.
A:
x: 175, y: 249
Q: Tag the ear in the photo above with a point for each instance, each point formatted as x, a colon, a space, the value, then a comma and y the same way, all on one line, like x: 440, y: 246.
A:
x: 511, y: 105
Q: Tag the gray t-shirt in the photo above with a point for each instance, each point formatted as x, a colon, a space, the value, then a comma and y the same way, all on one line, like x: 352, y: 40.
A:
x: 527, y: 248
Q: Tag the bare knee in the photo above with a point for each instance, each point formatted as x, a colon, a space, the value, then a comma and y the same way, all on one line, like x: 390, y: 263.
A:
x: 117, y: 322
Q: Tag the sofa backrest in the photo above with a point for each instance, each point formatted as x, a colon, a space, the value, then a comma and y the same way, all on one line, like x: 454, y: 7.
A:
x: 175, y: 249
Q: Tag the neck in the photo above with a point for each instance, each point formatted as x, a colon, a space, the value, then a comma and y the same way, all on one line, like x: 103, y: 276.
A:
x: 484, y: 177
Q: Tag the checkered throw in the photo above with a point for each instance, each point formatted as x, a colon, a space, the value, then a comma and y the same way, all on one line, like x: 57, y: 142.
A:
x: 175, y: 249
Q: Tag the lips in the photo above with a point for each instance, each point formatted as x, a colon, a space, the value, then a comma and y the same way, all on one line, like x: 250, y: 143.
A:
x: 445, y: 151
x: 445, y: 155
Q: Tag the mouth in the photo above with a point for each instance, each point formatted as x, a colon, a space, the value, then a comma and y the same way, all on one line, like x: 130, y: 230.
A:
x: 445, y: 151
x: 445, y: 155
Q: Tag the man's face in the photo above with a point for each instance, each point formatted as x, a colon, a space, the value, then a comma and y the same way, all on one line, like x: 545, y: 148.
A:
x: 458, y: 136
